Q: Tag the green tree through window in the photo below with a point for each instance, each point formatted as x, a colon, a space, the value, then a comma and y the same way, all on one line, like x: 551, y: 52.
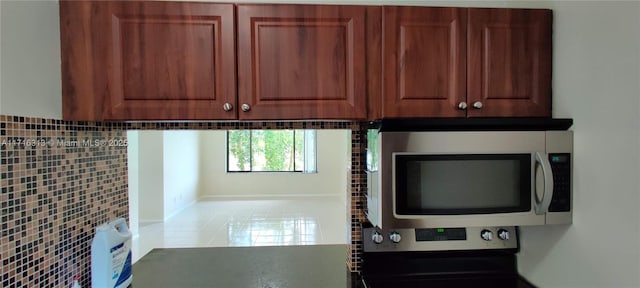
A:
x: 271, y: 150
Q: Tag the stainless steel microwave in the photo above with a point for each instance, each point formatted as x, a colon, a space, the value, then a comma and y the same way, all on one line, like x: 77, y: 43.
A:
x: 469, y: 179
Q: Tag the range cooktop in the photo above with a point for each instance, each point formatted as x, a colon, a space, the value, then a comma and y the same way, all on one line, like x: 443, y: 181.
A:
x: 443, y: 257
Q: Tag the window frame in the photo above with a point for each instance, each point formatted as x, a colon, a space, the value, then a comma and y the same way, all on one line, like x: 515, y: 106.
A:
x: 309, y: 167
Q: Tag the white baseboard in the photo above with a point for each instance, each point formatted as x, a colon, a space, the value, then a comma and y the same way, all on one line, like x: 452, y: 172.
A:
x: 269, y: 197
x: 148, y: 221
x: 174, y: 213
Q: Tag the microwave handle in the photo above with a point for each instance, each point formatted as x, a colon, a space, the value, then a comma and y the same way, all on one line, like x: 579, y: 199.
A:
x: 543, y: 206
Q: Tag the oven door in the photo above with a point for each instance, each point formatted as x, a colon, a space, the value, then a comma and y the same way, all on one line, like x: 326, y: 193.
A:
x: 442, y: 270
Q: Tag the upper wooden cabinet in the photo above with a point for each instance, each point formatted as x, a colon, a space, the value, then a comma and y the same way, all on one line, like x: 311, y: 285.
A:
x: 129, y: 60
x: 161, y: 60
x: 459, y: 62
x: 156, y: 60
x: 424, y: 62
x: 509, y: 62
x: 302, y: 62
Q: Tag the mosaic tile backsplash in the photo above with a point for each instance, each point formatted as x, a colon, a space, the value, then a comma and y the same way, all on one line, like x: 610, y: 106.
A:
x: 61, y: 179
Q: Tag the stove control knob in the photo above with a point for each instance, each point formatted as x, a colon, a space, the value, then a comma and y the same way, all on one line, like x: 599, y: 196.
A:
x: 395, y: 237
x: 486, y: 235
x: 503, y: 234
x: 376, y: 237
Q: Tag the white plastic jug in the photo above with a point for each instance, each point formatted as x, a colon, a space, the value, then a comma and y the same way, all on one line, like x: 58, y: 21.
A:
x: 111, y: 256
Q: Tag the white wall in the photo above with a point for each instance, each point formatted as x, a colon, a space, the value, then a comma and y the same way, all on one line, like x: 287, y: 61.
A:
x: 329, y: 181
x: 347, y: 174
x: 30, y: 77
x: 151, y: 176
x: 596, y: 76
x: 133, y: 169
x: 181, y: 170
x: 167, y: 172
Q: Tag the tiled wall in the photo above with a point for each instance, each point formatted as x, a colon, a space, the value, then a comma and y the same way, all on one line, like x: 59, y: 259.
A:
x: 357, y: 199
x: 61, y: 179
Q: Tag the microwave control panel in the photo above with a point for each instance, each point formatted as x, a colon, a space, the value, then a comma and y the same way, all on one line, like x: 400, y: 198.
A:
x: 561, y: 170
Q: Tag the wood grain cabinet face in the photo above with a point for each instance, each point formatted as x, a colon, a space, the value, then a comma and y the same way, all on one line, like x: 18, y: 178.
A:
x: 160, y: 60
x: 301, y: 62
x: 148, y: 60
x: 424, y: 61
x: 436, y: 59
x: 509, y: 68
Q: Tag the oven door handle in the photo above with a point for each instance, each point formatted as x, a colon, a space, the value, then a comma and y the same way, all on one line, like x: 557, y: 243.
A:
x: 542, y: 206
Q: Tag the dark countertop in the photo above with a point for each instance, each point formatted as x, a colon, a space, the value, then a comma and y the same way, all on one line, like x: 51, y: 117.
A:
x: 320, y: 266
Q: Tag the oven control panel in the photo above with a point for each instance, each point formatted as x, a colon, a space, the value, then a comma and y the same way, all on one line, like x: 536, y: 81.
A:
x: 441, y: 234
x: 439, y: 239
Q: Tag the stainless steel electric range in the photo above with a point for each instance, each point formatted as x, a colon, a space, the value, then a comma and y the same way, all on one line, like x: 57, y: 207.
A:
x: 441, y: 257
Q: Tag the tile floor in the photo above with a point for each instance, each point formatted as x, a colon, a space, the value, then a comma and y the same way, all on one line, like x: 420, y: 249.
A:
x: 248, y: 223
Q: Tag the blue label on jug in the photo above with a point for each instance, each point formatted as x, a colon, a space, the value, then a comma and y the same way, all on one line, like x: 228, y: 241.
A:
x: 126, y: 271
x: 115, y: 248
x: 120, y: 263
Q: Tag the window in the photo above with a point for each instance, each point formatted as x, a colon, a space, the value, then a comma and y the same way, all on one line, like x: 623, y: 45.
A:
x: 271, y: 151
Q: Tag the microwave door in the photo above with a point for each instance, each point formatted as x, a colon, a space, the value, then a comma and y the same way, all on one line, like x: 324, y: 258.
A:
x: 464, y: 189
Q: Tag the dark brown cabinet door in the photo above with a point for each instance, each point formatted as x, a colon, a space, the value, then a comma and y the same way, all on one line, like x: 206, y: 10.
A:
x: 457, y: 62
x: 424, y: 61
x: 509, y: 62
x: 301, y: 62
x: 130, y: 60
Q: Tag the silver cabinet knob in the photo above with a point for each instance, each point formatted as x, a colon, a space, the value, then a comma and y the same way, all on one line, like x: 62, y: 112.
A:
x: 462, y: 105
x: 227, y: 107
x: 245, y: 107
x: 477, y: 104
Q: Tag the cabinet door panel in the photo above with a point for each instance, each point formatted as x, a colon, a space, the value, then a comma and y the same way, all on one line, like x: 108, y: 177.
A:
x: 148, y: 60
x: 145, y: 72
x: 172, y: 61
x: 301, y: 61
x: 424, y: 61
x: 510, y: 62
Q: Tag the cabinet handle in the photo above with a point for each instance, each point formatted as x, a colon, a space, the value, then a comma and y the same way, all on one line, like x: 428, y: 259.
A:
x: 477, y: 104
x: 227, y: 107
x: 246, y: 107
x: 462, y: 105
